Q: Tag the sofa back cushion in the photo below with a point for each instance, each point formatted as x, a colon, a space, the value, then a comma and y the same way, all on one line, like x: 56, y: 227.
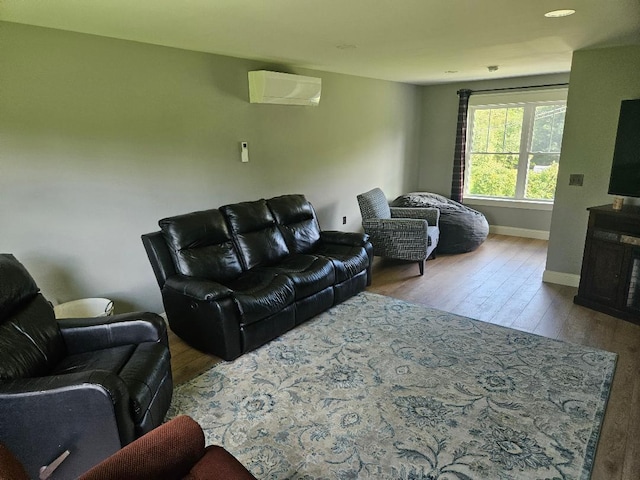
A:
x: 297, y: 222
x: 257, y: 237
x: 201, y: 245
x: 30, y: 340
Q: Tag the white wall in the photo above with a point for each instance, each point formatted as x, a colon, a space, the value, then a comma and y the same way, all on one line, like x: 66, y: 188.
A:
x: 101, y: 138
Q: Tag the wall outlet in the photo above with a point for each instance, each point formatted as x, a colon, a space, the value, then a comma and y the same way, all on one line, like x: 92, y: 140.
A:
x: 344, y: 220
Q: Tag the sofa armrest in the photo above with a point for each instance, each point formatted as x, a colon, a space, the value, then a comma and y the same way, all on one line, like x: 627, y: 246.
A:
x: 172, y: 450
x: 198, y: 288
x: 217, y: 459
x: 204, y: 314
x: 86, y: 334
x: 10, y: 466
x: 168, y: 451
x: 431, y: 215
x: 351, y: 239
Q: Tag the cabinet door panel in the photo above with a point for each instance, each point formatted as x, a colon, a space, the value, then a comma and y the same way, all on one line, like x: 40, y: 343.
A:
x: 603, y: 272
x: 632, y: 299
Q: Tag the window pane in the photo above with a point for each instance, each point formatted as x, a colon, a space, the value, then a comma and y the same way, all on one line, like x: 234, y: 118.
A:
x: 542, y: 176
x: 493, y: 175
x: 497, y: 130
x: 480, y: 130
x: 548, y: 126
x: 513, y: 129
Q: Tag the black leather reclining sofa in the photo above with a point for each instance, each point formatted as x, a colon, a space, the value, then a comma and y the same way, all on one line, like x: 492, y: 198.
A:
x: 234, y: 278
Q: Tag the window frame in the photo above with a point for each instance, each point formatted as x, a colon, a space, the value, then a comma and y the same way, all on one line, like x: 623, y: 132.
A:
x: 529, y: 100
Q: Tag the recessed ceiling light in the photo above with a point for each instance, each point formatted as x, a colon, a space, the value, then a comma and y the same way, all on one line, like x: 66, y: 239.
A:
x: 559, y: 13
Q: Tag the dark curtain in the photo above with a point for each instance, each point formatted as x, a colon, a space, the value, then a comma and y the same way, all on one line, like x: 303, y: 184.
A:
x: 457, y: 179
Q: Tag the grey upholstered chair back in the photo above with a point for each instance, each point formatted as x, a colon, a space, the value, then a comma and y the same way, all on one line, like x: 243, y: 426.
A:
x: 373, y: 204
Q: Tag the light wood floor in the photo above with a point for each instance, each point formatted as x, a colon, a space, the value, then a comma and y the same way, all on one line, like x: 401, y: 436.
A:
x: 501, y: 282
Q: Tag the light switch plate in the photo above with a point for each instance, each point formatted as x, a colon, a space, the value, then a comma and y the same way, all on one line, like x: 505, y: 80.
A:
x: 576, y: 179
x: 244, y: 152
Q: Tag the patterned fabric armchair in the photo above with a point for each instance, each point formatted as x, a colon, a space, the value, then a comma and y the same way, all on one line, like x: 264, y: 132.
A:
x: 399, y: 232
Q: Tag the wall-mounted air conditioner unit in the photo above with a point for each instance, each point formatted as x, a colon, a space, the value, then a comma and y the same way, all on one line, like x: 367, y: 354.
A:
x: 283, y: 88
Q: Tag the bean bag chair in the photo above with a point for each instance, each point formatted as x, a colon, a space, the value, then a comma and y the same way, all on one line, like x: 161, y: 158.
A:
x: 462, y: 229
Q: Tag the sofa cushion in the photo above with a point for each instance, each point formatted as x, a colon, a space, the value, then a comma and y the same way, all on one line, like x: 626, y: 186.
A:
x: 109, y: 359
x: 348, y: 260
x: 259, y: 241
x: 260, y: 294
x: 297, y: 221
x: 309, y: 273
x: 141, y: 367
x: 201, y: 245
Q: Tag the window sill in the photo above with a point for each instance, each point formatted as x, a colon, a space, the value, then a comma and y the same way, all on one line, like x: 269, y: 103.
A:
x: 509, y: 203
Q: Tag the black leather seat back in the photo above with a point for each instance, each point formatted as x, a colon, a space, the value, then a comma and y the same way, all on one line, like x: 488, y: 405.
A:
x: 201, y: 245
x: 30, y: 340
x: 258, y: 238
x: 297, y: 222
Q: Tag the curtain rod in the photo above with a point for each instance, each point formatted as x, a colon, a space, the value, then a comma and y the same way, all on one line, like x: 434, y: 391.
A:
x: 513, y: 88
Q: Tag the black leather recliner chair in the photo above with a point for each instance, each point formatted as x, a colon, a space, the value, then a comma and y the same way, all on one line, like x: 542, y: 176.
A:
x: 89, y: 386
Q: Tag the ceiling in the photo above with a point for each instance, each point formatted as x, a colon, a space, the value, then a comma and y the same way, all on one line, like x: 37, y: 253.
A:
x: 414, y: 41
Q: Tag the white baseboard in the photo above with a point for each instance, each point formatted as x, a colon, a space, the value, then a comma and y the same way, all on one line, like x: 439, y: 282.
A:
x: 519, y: 232
x: 560, y: 278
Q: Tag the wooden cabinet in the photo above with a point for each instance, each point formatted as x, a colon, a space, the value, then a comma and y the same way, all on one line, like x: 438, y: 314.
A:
x: 610, y: 277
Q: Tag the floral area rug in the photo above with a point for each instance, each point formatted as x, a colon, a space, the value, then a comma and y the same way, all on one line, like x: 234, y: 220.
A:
x: 383, y: 389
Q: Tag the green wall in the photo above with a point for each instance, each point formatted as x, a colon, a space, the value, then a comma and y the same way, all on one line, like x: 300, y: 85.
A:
x: 600, y: 80
x: 100, y: 138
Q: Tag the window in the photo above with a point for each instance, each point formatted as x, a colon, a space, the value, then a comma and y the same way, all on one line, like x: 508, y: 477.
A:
x: 513, y: 145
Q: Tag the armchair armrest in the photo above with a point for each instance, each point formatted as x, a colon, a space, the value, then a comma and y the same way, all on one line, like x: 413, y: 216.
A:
x: 381, y: 225
x: 351, y: 239
x: 431, y: 215
x: 86, y: 334
x: 112, y: 386
x: 198, y: 288
x: 403, y: 238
